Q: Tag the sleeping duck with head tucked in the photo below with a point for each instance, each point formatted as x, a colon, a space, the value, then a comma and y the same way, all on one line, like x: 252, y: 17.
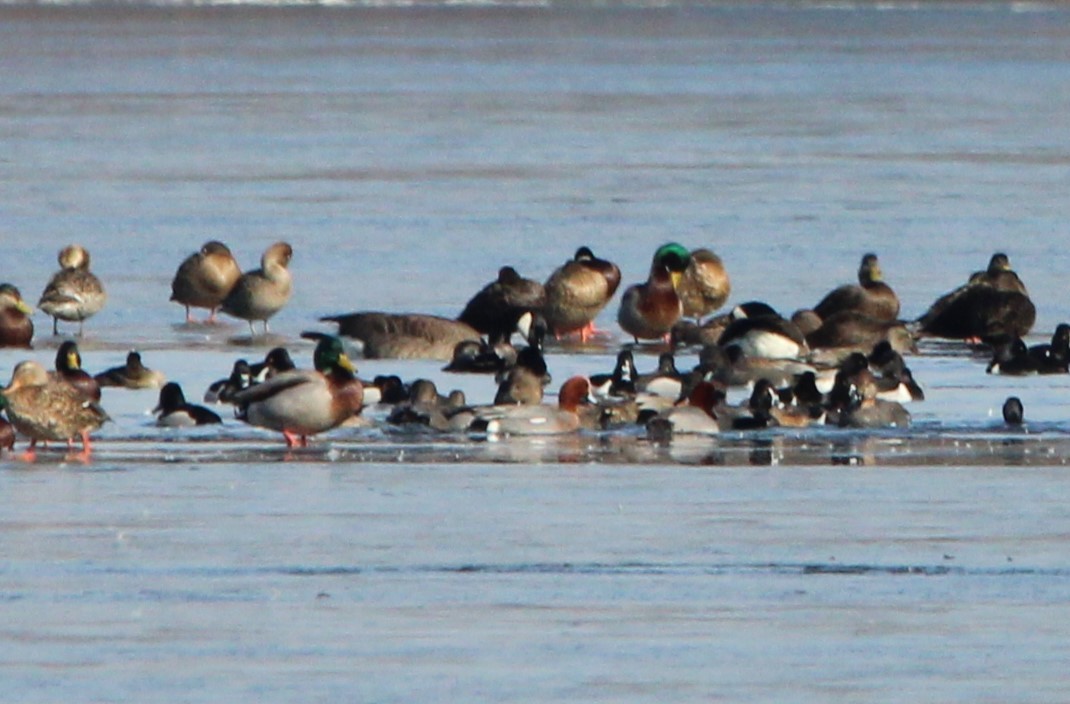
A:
x: 576, y: 293
x: 73, y: 293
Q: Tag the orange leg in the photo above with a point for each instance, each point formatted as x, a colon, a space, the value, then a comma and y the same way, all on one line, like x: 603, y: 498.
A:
x: 31, y: 452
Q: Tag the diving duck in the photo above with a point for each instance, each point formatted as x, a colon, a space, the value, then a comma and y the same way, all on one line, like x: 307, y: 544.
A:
x: 69, y: 369
x: 496, y: 308
x: 1013, y: 412
x: 762, y: 333
x: 73, y: 293
x: 300, y: 403
x: 205, y: 279
x: 261, y: 293
x: 538, y: 419
x: 620, y: 383
x: 275, y: 361
x: 1053, y: 357
x: 173, y: 411
x: 132, y: 375
x: 993, y: 304
x: 871, y: 297
x: 577, y: 291
x: 865, y: 410
x: 704, y: 286
x: 46, y: 409
x: 697, y: 415
x: 223, y: 390
x: 649, y: 310
x: 16, y: 327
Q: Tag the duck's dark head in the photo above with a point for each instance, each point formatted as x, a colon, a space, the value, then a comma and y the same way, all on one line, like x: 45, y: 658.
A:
x: 68, y: 359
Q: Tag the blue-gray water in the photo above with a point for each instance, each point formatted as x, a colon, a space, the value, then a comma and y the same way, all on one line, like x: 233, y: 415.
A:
x: 407, y: 153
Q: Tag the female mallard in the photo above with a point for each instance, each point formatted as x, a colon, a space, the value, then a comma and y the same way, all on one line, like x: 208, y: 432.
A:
x: 871, y: 297
x: 261, y: 293
x: 649, y: 310
x: 69, y: 369
x: 132, y: 375
x: 705, y: 286
x: 173, y: 411
x: 46, y: 409
x: 74, y: 293
x: 16, y: 327
x: 300, y: 403
x: 496, y: 308
x: 205, y: 279
x: 577, y: 291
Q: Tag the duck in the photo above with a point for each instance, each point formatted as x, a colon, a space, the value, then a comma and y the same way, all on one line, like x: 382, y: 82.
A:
x: 73, y: 293
x: 205, y: 278
x: 871, y: 297
x: 620, y: 383
x: 538, y: 419
x: 577, y: 291
x: 769, y: 408
x: 704, y: 286
x: 694, y: 416
x: 993, y: 304
x: 132, y: 375
x: 223, y: 390
x: 853, y: 330
x: 7, y: 433
x: 764, y: 334
x: 524, y: 382
x: 16, y: 326
x: 173, y: 411
x: 665, y: 381
x: 275, y: 361
x: 426, y: 406
x: 1053, y: 357
x: 496, y: 309
x: 1013, y: 412
x: 1011, y: 357
x: 261, y: 293
x: 480, y: 357
x: 69, y: 369
x: 867, y: 411
x: 649, y: 310
x: 301, y: 403
x: 46, y: 409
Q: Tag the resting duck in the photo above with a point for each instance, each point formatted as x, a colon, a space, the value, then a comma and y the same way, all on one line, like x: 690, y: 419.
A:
x: 223, y: 390
x: 275, y: 361
x: 852, y: 330
x: 480, y: 357
x: 665, y: 381
x: 538, y: 419
x: 993, y: 304
x: 205, y: 279
x: 763, y: 334
x: 174, y: 412
x: 69, y: 369
x: 261, y: 293
x: 300, y: 403
x: 871, y: 297
x: 16, y: 327
x: 865, y: 410
x: 496, y: 309
x: 46, y: 409
x: 1054, y: 357
x: 73, y: 293
x: 524, y: 381
x: 577, y: 291
x: 132, y: 375
x: 621, y: 382
x: 649, y: 310
x: 7, y: 433
x: 694, y: 417
x: 704, y: 286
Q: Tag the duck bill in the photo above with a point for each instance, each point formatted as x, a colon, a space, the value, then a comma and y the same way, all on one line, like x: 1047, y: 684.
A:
x: 675, y: 277
x: 24, y: 308
x: 345, y: 363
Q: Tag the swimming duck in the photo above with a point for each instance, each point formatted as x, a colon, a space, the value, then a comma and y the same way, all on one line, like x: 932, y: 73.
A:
x: 261, y: 293
x: 764, y: 334
x: 275, y: 361
x: 45, y: 409
x: 649, y: 310
x: 852, y: 330
x: 300, y: 403
x: 132, y: 375
x: 16, y: 327
x: 174, y: 412
x: 619, y: 383
x: 665, y: 381
x: 696, y: 416
x: 524, y: 382
x: 704, y: 286
x: 1013, y: 411
x: 69, y: 369
x: 73, y: 293
x: 496, y: 309
x: 867, y: 411
x: 223, y: 390
x: 992, y: 304
x: 871, y: 297
x: 577, y: 291
x: 205, y: 279
x: 1053, y: 357
x: 1010, y: 356
x: 538, y: 419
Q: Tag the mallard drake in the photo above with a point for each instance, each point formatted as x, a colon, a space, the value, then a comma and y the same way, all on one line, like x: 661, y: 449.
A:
x: 649, y: 310
x: 704, y: 286
x: 300, y: 403
x: 261, y: 293
x: 16, y: 327
x: 871, y: 297
x: 69, y: 369
x: 538, y: 419
x: 205, y: 279
x: 496, y: 309
x: 73, y: 293
x: 132, y: 375
x: 577, y: 291
x: 174, y: 412
x: 46, y: 409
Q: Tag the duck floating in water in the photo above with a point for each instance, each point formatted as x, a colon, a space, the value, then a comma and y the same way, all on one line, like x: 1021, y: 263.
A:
x: 301, y: 403
x: 649, y: 310
x: 205, y: 278
x: 261, y: 293
x: 16, y: 327
x: 538, y: 419
x: 73, y: 293
x: 577, y: 291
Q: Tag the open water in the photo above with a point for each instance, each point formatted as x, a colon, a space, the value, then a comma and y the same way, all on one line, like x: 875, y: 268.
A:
x: 407, y: 152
